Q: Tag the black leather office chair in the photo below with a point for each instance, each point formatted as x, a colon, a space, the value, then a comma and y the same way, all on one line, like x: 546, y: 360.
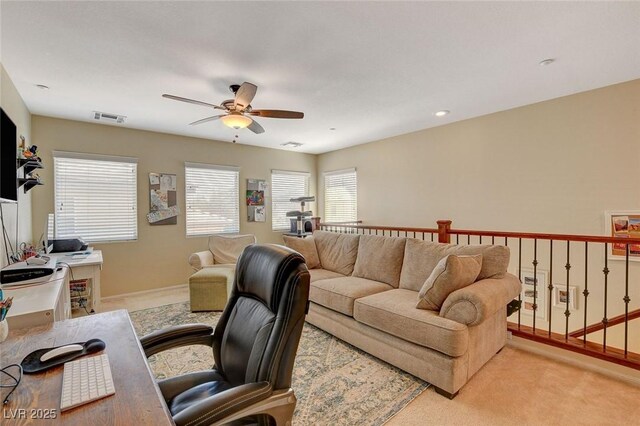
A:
x: 254, y: 345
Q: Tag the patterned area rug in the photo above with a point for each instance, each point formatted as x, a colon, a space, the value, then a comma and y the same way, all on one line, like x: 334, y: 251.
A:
x: 335, y: 383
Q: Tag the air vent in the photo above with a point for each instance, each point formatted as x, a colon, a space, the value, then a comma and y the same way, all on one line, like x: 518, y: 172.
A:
x: 291, y: 144
x: 109, y: 117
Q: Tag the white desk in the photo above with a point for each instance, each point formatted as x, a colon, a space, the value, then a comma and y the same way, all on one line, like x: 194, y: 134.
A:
x: 84, y: 267
x: 40, y: 304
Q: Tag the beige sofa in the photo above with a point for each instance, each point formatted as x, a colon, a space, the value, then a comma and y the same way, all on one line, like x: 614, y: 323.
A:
x: 364, y: 290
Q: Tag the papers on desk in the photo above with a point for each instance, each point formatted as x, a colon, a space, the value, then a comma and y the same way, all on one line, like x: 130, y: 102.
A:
x: 78, y: 255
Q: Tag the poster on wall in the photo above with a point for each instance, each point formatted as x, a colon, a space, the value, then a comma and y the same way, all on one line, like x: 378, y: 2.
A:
x: 163, y: 205
x: 255, y: 200
x: 623, y: 224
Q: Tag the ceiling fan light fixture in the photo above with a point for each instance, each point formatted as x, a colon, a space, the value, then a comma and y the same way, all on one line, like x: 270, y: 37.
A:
x: 236, y: 120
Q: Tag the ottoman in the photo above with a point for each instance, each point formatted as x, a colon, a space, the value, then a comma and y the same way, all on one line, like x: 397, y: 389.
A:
x: 209, y: 288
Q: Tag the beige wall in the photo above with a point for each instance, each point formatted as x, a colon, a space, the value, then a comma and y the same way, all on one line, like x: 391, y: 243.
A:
x: 159, y: 257
x: 554, y: 166
x: 19, y: 214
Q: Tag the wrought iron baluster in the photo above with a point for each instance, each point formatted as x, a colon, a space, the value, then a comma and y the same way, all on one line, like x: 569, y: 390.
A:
x: 519, y: 276
x: 457, y: 238
x: 506, y: 241
x: 586, y: 291
x: 468, y: 239
x: 480, y: 238
x: 493, y: 239
x: 605, y: 320
x: 567, y: 313
x: 550, y: 287
x: 535, y: 283
x: 414, y: 234
x: 626, y: 299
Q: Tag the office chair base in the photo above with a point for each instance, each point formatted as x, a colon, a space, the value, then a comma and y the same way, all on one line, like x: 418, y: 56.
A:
x: 280, y: 406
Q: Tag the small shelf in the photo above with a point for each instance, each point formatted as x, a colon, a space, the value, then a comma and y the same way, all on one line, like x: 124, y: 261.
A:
x: 29, y: 165
x: 28, y: 183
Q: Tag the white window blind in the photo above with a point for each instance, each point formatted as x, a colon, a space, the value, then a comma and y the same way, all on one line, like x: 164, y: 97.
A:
x: 95, y: 197
x: 341, y: 196
x: 212, y: 196
x: 284, y: 186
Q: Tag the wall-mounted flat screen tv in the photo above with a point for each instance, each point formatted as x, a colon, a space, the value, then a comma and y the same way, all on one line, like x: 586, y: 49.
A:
x: 8, y: 150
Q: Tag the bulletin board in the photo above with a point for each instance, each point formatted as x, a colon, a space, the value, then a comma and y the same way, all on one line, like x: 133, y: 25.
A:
x: 163, y: 204
x: 255, y: 200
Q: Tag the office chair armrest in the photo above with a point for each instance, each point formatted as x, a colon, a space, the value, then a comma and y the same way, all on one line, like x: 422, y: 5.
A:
x: 176, y: 336
x: 223, y: 404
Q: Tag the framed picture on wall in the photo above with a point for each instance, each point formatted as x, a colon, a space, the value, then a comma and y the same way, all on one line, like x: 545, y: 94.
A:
x: 623, y: 224
x: 534, y: 291
x: 561, y: 296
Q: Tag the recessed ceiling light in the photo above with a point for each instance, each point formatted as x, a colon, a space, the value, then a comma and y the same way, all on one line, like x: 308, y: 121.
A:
x: 546, y: 62
x: 42, y: 86
x: 442, y: 113
x: 332, y: 128
x: 291, y: 144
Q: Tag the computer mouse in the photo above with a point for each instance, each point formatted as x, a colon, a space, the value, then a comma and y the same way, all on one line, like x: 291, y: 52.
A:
x: 62, y: 350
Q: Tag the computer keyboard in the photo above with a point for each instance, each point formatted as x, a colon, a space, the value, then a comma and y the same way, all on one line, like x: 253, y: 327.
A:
x: 85, y: 380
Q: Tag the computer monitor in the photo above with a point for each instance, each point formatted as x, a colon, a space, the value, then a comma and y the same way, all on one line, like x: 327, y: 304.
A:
x: 48, y: 234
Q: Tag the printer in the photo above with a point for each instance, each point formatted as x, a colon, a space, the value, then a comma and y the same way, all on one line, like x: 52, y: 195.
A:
x: 31, y: 271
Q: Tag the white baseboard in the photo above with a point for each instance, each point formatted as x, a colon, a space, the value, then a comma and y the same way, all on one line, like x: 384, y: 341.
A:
x: 615, y: 371
x: 143, y: 292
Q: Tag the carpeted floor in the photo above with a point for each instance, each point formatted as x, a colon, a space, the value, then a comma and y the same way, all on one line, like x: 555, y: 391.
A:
x: 335, y: 383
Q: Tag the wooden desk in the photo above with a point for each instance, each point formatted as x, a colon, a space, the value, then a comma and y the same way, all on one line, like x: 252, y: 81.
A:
x: 137, y: 399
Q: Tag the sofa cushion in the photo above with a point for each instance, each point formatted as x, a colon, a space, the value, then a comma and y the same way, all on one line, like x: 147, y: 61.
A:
x: 421, y: 257
x: 337, y: 251
x: 340, y: 293
x: 323, y: 274
x: 450, y: 274
x: 380, y: 259
x: 228, y: 248
x: 306, y: 247
x: 394, y: 312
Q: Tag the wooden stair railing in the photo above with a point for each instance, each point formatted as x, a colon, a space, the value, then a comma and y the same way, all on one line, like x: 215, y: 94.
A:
x: 620, y: 319
x: 592, y: 349
x: 573, y: 341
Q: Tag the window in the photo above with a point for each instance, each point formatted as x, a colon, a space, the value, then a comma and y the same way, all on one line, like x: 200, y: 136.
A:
x: 284, y: 186
x: 212, y: 196
x: 341, y: 196
x: 95, y: 197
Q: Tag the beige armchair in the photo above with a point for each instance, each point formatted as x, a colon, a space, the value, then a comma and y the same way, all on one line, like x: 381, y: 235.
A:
x: 210, y: 286
x: 223, y: 250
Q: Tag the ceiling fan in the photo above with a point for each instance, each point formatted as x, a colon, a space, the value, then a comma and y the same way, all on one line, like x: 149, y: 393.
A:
x: 238, y: 109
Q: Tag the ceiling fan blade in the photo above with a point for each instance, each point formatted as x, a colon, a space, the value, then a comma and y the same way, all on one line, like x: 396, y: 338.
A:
x: 277, y: 113
x: 204, y: 120
x: 191, y: 101
x: 245, y: 95
x: 255, y: 127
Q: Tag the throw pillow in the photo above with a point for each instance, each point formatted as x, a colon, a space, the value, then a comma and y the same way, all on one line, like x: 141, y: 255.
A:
x: 306, y: 247
x: 450, y: 274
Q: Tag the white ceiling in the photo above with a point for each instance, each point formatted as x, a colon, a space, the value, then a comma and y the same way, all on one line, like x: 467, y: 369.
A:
x: 371, y: 70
